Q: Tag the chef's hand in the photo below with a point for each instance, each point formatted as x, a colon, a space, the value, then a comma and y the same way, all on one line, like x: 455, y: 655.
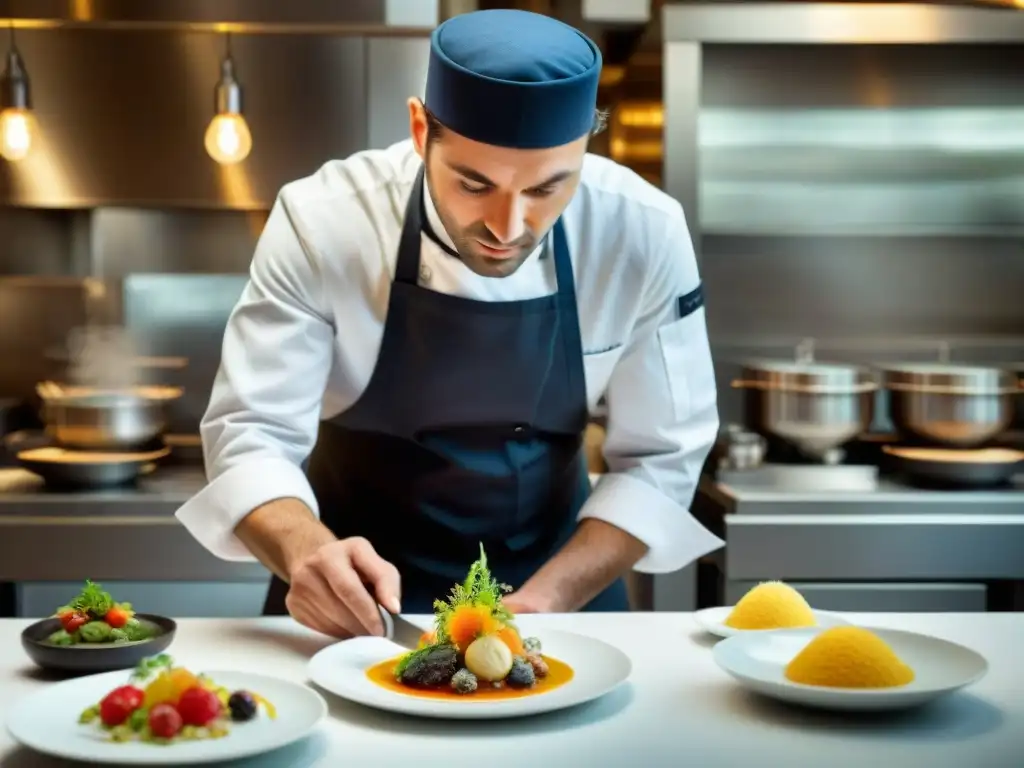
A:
x: 328, y: 591
x: 525, y: 602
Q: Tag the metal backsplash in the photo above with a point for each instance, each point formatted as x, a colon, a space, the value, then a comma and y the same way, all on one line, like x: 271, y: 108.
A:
x: 182, y: 316
x: 122, y: 114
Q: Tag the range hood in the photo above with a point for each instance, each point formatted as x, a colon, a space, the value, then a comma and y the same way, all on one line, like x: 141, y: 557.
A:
x: 240, y: 16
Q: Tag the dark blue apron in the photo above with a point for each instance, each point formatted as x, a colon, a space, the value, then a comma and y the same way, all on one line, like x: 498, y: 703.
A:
x: 469, y: 431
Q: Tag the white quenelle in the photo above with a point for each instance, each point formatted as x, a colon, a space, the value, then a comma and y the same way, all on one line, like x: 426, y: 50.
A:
x: 489, y: 658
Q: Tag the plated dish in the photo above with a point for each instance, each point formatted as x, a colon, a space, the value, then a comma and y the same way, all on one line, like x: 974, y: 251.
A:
x: 769, y: 606
x: 163, y: 703
x: 162, y: 713
x: 474, y: 649
x: 849, y: 668
x: 93, y: 632
x: 474, y: 662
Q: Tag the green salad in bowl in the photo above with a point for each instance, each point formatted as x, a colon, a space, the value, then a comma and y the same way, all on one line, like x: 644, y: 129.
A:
x: 94, y: 617
x: 94, y: 633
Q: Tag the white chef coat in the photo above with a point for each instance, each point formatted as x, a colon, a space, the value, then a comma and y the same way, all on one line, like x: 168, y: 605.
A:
x: 302, y: 341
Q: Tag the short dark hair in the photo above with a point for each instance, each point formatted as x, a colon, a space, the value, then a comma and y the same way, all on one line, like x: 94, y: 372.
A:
x: 435, y: 127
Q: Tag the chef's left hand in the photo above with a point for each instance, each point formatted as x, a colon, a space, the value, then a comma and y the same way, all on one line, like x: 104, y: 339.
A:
x: 525, y: 602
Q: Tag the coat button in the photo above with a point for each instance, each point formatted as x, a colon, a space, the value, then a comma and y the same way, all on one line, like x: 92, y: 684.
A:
x: 425, y: 273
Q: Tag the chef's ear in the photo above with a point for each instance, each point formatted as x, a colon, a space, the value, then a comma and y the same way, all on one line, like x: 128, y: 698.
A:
x: 418, y: 126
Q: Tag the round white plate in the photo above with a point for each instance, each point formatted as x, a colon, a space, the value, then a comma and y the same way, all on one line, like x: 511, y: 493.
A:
x: 598, y: 669
x: 47, y: 722
x: 757, y: 660
x: 713, y: 620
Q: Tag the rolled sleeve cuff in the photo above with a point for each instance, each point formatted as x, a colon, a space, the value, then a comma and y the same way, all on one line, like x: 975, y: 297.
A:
x: 212, y: 514
x: 673, y: 536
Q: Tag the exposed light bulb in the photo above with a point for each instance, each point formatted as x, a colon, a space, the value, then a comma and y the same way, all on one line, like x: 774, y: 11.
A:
x: 17, y: 131
x: 228, y: 139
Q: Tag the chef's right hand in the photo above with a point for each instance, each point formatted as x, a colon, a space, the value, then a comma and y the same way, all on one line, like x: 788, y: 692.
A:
x: 329, y: 594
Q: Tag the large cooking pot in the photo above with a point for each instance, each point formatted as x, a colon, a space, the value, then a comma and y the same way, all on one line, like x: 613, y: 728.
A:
x: 815, y: 407
x: 1018, y: 371
x: 956, y: 405
x: 91, y: 419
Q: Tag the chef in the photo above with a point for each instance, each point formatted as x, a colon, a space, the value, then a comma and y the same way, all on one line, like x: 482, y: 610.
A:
x: 409, y: 370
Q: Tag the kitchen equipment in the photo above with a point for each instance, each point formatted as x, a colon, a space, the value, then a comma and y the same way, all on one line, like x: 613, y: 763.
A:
x: 944, y: 467
x: 94, y: 419
x: 399, y: 630
x: 813, y: 406
x: 948, y: 404
x: 1018, y: 420
x: 738, y: 449
x: 61, y: 468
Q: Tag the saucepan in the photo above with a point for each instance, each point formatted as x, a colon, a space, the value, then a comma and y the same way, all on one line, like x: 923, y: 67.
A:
x: 951, y: 405
x: 814, y: 406
x: 88, y: 418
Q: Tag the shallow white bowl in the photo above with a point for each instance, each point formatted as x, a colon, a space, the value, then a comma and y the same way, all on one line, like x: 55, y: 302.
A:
x: 757, y: 661
x: 713, y: 620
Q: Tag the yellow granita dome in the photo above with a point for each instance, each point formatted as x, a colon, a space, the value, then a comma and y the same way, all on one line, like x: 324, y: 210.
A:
x: 771, y: 605
x: 848, y: 657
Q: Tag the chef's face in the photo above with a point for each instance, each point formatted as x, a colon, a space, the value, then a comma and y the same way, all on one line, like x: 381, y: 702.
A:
x: 495, y: 203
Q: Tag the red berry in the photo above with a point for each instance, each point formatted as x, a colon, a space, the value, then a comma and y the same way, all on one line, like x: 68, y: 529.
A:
x: 119, y: 704
x: 199, y: 706
x: 164, y: 721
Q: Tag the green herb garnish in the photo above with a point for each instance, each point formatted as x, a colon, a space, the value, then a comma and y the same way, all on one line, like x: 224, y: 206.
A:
x: 151, y: 665
x: 93, y: 599
x: 480, y: 589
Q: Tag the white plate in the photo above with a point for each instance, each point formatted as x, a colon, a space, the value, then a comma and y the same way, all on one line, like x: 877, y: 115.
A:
x: 713, y: 620
x: 47, y: 722
x: 598, y: 669
x: 757, y: 661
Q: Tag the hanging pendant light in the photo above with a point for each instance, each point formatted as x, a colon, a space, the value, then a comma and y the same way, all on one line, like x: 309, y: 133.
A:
x: 17, y: 121
x: 228, y: 139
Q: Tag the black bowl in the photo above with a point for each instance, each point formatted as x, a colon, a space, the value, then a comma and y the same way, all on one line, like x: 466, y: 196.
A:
x: 95, y: 657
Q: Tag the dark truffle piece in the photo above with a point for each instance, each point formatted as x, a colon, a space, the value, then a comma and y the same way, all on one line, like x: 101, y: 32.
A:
x: 431, y: 667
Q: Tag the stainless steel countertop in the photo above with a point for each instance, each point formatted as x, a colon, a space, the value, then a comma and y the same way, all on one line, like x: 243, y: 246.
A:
x: 891, y: 533
x: 127, y: 533
x: 157, y: 494
x: 755, y: 492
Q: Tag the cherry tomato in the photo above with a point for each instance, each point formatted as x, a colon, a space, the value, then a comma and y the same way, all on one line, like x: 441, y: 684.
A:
x: 118, y: 705
x: 164, y: 721
x: 199, y: 706
x: 117, y: 617
x: 72, y: 620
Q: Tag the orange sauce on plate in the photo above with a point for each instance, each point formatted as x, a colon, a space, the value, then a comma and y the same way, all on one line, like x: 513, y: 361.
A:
x: 559, y: 673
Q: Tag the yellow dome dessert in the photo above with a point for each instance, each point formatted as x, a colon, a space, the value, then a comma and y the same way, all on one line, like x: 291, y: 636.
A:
x: 848, y: 657
x: 771, y: 605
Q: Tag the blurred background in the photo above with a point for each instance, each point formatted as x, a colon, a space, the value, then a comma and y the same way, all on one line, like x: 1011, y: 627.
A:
x: 853, y: 176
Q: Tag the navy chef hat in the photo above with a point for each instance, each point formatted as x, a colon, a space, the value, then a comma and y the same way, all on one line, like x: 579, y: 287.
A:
x: 513, y: 79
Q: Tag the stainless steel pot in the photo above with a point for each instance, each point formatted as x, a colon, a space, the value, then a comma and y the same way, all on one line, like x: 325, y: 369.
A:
x: 814, y: 406
x: 961, y: 406
x: 94, y: 420
x: 1018, y: 420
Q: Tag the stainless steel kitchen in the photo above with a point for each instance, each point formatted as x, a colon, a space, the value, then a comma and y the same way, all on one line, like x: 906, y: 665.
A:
x: 852, y: 175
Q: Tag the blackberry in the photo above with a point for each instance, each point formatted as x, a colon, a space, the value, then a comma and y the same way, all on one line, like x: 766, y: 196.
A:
x: 242, y: 705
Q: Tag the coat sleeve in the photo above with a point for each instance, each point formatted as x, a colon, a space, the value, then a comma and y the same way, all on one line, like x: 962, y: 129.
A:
x: 662, y: 413
x: 262, y: 419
